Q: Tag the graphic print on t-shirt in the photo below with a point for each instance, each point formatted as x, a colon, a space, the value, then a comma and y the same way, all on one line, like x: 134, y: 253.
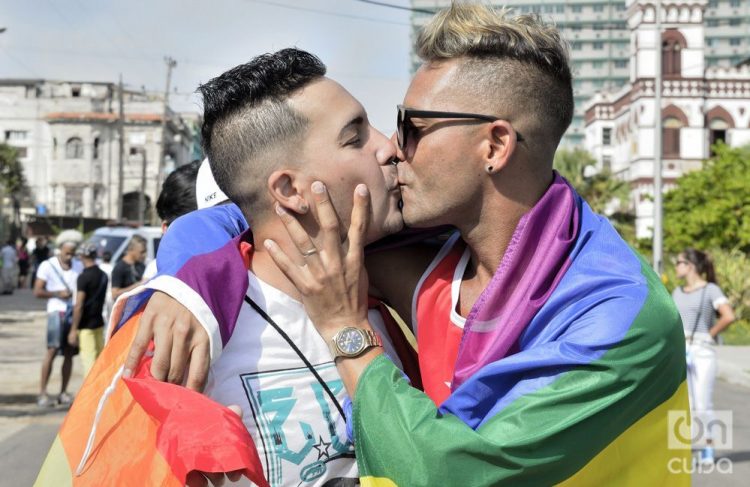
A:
x: 309, y: 447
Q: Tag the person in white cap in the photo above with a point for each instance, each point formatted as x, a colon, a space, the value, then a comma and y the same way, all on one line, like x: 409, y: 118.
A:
x: 207, y: 192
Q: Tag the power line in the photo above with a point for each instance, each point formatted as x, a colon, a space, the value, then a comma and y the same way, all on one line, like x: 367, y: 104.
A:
x: 398, y: 7
x: 328, y: 12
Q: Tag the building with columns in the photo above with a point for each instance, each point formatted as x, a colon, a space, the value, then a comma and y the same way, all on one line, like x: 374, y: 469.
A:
x: 699, y: 106
x: 67, y: 135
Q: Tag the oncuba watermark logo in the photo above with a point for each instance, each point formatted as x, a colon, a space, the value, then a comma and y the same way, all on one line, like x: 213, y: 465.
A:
x: 682, y: 433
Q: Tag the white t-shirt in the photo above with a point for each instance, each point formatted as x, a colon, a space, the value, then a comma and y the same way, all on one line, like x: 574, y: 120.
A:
x: 298, y: 431
x: 53, y: 282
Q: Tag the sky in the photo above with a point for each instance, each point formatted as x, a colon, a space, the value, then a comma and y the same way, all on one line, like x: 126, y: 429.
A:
x: 366, y: 47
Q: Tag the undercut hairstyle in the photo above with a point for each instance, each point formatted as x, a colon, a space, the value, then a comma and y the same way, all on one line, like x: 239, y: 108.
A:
x: 249, y: 126
x: 177, y: 195
x: 517, y: 64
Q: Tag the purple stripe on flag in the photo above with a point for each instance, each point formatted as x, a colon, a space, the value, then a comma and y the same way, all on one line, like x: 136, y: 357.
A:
x: 220, y: 278
x: 533, y: 264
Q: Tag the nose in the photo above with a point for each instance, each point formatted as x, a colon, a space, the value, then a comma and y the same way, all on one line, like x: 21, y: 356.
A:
x: 400, y: 156
x: 386, y: 151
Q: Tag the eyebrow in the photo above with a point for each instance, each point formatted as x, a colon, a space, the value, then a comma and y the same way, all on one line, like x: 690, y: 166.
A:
x: 353, y: 123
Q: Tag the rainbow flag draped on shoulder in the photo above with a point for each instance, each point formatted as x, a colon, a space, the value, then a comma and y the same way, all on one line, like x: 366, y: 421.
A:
x: 569, y: 365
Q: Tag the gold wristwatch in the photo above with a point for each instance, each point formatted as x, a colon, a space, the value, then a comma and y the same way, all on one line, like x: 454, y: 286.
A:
x: 352, y: 342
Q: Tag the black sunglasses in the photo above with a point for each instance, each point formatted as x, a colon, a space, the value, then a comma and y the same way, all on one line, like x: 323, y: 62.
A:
x: 404, y: 125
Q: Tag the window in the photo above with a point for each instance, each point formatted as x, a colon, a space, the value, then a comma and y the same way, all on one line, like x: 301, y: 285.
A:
x: 74, y: 148
x: 560, y: 9
x: 712, y: 22
x: 620, y: 63
x: 576, y: 46
x: 607, y: 163
x: 95, y: 152
x: 712, y: 41
x: 713, y: 3
x: 16, y: 135
x: 75, y: 91
x: 598, y: 46
x: 735, y: 41
x: 598, y: 8
x: 577, y: 9
x: 597, y: 64
x: 735, y: 22
x: 606, y: 136
x: 671, y: 137
x: 73, y: 200
x: 671, y: 52
x: 734, y: 3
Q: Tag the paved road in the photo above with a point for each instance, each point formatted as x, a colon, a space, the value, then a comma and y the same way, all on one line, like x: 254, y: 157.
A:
x: 26, y: 432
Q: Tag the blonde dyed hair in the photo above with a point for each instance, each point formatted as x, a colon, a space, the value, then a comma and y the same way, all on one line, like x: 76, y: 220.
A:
x: 519, y: 62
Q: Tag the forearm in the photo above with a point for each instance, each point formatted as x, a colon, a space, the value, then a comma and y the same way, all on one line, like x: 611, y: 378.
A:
x: 720, y: 325
x: 77, y: 313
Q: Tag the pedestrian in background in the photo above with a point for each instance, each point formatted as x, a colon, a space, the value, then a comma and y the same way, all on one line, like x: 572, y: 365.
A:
x: 705, y: 312
x: 23, y: 262
x: 38, y: 255
x: 86, y: 331
x: 128, y: 273
x: 56, y: 281
x: 9, y: 265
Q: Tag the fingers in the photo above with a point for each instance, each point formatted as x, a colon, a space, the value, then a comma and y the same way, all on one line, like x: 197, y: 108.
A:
x: 196, y: 479
x: 358, y: 227
x: 140, y: 343
x: 162, y: 352
x: 181, y: 335
x: 199, y: 363
x: 328, y: 220
x: 291, y: 270
x: 300, y: 237
x: 234, y: 476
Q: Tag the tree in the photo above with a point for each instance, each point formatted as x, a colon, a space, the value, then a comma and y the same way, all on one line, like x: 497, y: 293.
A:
x: 12, y: 182
x: 708, y: 209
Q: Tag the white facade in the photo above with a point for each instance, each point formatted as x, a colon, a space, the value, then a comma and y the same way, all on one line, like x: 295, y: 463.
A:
x: 697, y: 107
x: 67, y: 133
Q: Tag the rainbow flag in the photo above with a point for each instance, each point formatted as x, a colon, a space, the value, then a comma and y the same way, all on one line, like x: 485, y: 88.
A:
x: 570, y: 364
x: 140, y: 431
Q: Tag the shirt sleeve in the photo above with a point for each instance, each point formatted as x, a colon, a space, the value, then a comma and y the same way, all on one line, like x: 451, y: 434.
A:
x: 118, y: 277
x: 43, y: 271
x: 716, y: 296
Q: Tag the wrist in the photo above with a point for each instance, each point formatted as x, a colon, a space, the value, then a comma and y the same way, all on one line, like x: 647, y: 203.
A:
x: 330, y: 330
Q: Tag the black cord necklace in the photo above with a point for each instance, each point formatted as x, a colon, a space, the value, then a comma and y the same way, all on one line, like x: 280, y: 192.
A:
x: 283, y: 334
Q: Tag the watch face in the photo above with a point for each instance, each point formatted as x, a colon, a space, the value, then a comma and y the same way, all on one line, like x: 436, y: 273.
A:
x: 350, y: 341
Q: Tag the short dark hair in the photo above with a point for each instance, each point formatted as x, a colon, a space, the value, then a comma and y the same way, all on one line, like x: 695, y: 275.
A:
x: 246, y: 117
x: 136, y: 240
x: 177, y: 195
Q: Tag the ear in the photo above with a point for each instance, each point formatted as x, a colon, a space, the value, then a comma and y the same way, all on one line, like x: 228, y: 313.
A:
x: 287, y: 189
x: 499, y: 146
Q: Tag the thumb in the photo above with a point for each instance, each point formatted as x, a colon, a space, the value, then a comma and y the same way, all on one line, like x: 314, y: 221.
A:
x: 236, y: 410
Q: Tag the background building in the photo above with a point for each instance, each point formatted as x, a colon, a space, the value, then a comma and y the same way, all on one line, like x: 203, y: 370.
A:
x: 599, y: 40
x: 700, y: 105
x: 68, y: 138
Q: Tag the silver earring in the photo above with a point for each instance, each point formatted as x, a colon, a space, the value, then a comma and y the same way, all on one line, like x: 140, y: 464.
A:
x: 489, y: 169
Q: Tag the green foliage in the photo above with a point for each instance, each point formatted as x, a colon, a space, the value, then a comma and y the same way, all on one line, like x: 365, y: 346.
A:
x: 733, y: 274
x: 12, y: 179
x: 709, y: 208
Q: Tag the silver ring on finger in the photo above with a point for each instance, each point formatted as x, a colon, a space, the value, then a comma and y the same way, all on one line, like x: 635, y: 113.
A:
x: 310, y: 252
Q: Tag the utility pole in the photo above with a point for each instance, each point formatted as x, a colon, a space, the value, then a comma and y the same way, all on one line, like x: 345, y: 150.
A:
x: 658, y: 231
x: 142, y: 192
x: 171, y: 63
x: 121, y: 157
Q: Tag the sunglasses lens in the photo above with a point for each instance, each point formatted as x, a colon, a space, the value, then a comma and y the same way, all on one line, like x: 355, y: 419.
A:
x: 400, y: 128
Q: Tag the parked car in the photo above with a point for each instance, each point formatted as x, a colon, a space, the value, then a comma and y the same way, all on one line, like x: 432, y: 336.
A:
x: 115, y: 240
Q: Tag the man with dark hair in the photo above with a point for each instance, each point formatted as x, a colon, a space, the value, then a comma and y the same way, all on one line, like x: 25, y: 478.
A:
x: 86, y: 331
x: 128, y: 273
x: 177, y: 195
x: 301, y: 132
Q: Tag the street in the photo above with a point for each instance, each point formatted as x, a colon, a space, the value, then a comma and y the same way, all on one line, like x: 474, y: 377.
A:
x: 26, y: 431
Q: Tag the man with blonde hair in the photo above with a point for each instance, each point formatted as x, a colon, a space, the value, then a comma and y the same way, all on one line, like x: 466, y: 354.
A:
x: 549, y: 350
